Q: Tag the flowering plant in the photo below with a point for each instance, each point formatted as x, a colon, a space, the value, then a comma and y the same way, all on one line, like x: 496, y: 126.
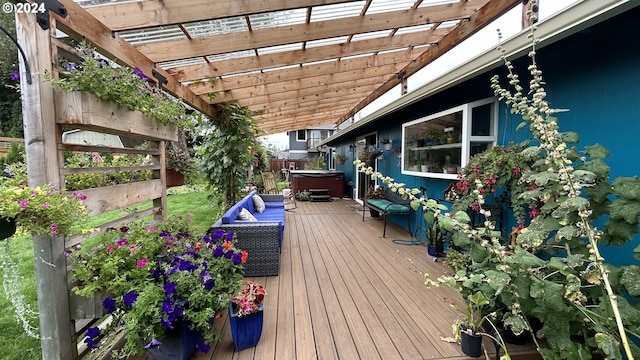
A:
x: 42, y: 209
x: 249, y: 299
x: 156, y: 277
x: 121, y: 85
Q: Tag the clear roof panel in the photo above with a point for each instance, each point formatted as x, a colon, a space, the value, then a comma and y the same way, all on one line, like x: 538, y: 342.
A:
x: 426, y: 3
x: 371, y: 35
x: 278, y: 18
x: 217, y: 26
x: 336, y: 11
x: 279, y: 48
x: 162, y: 33
x: 414, y: 29
x: 178, y: 63
x: 380, y: 6
x: 231, y: 55
x: 325, y: 42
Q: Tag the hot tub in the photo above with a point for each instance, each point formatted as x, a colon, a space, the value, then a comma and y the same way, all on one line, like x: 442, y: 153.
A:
x: 332, y: 180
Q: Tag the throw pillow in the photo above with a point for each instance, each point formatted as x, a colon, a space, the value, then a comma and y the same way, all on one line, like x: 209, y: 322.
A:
x: 258, y: 203
x: 246, y: 215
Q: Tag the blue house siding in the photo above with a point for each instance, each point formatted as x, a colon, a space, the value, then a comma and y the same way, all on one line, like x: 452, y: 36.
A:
x: 595, y: 74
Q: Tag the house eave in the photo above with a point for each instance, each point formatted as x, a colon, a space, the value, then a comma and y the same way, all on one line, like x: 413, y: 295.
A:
x: 549, y: 31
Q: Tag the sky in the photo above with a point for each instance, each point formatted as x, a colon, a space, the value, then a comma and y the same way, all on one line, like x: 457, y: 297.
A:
x: 509, y: 25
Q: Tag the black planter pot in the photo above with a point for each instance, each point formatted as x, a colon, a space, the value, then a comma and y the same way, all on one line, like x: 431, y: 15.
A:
x: 374, y: 213
x: 471, y: 344
x: 7, y: 227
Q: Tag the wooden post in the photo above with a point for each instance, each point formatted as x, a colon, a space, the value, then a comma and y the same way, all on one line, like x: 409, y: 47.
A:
x: 40, y: 132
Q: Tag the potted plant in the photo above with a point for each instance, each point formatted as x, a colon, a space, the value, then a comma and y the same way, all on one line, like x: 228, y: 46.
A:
x: 369, y: 154
x: 246, y: 315
x: 41, y: 209
x: 178, y: 165
x: 341, y: 159
x: 468, y: 330
x: 159, y: 280
x: 387, y: 143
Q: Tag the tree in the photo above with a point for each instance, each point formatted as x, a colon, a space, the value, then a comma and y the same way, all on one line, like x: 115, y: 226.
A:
x: 11, y: 116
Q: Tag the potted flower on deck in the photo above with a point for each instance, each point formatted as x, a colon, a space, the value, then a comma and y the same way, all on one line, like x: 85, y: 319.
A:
x: 160, y: 281
x: 246, y: 315
x: 341, y: 159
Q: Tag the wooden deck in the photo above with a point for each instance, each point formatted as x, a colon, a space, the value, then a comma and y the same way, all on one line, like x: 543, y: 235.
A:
x: 344, y: 292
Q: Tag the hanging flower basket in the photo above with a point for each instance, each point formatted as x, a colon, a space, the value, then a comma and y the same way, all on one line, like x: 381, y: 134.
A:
x: 7, y: 227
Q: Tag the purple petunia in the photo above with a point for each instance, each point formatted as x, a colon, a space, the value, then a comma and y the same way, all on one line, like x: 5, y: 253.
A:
x: 129, y: 298
x: 167, y: 306
x: 109, y: 304
x: 230, y: 235
x: 152, y: 344
x: 209, y: 284
x: 170, y: 288
x: 237, y: 258
x: 206, y: 239
x: 71, y: 66
x: 166, y: 323
x: 92, y: 333
x: 218, y: 234
x: 203, y: 347
x: 140, y: 73
x: 218, y: 251
x: 15, y: 76
x: 228, y: 254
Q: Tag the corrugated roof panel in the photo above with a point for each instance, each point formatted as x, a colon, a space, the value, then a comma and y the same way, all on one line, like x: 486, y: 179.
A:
x: 371, y: 35
x: 381, y: 6
x: 336, y: 11
x: 184, y: 62
x: 145, y: 36
x: 325, y: 42
x: 426, y: 3
x: 280, y: 48
x: 231, y: 55
x: 217, y: 26
x: 414, y: 29
x: 278, y: 18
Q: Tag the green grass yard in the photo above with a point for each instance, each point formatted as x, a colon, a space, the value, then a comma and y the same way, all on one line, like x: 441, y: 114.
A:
x: 14, y: 343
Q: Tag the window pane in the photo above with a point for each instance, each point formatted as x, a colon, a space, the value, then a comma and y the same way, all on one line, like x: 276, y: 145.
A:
x: 478, y: 147
x: 301, y: 135
x: 434, y: 145
x: 481, y: 120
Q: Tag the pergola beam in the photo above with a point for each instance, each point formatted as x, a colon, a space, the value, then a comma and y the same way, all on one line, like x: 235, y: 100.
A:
x: 79, y: 20
x: 145, y: 14
x: 309, y: 55
x: 290, y: 34
x: 489, y: 12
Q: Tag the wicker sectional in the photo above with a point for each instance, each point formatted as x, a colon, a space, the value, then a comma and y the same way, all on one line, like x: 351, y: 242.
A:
x: 262, y: 239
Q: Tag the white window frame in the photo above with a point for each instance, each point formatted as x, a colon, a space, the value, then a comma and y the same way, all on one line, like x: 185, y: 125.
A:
x: 467, y: 139
x: 298, y: 137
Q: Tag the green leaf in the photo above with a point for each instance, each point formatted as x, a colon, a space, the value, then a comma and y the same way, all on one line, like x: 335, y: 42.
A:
x: 598, y: 193
x: 498, y: 280
x: 463, y: 217
x: 550, y: 224
x: 515, y: 322
x: 556, y: 263
x: 628, y: 210
x: 597, y: 151
x: 478, y: 253
x: 570, y: 137
x: 521, y: 125
x: 460, y: 239
x: 631, y: 279
x: 607, y: 344
x: 627, y: 187
x: 549, y: 295
x: 544, y: 178
x: 598, y: 167
x: 524, y: 260
x: 567, y: 233
x: 430, y: 217
x: 446, y: 223
x: 531, y: 152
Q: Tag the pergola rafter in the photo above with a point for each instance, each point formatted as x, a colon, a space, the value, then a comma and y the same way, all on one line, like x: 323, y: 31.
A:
x: 284, y: 59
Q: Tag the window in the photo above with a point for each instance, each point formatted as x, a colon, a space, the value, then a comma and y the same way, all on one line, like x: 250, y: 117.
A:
x: 301, y: 135
x: 439, y: 145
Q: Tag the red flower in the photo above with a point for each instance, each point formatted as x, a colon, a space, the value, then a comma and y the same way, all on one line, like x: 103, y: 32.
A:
x: 244, y: 257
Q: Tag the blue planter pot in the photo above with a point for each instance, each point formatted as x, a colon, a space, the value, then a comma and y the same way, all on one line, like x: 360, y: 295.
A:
x: 246, y: 330
x: 179, y: 344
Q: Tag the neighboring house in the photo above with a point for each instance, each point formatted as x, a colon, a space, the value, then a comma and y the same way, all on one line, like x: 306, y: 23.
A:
x: 590, y: 68
x: 303, y: 144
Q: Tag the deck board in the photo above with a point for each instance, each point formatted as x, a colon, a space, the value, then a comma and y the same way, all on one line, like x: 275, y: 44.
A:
x: 344, y: 292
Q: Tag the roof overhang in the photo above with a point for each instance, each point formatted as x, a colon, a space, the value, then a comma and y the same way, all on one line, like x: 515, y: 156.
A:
x: 553, y: 29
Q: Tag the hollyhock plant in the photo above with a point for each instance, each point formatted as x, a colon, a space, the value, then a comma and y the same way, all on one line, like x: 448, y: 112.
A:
x: 166, y: 279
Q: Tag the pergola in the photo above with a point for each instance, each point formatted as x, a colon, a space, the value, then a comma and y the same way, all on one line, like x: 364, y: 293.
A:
x: 295, y: 63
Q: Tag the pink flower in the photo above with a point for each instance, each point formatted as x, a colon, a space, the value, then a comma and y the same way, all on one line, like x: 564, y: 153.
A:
x: 45, y: 205
x: 534, y: 212
x: 151, y: 228
x: 110, y: 248
x: 24, y: 203
x: 142, y: 263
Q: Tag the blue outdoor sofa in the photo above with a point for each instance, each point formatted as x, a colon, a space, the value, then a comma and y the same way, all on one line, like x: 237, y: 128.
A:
x: 262, y: 239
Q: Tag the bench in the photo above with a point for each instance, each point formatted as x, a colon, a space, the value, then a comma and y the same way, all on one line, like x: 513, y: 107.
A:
x: 391, y: 204
x: 261, y: 239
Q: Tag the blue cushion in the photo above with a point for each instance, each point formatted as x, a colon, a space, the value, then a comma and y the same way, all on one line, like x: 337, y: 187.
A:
x: 388, y: 206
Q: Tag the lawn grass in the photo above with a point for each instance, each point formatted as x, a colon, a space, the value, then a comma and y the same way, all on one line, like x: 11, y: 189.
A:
x: 14, y: 343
